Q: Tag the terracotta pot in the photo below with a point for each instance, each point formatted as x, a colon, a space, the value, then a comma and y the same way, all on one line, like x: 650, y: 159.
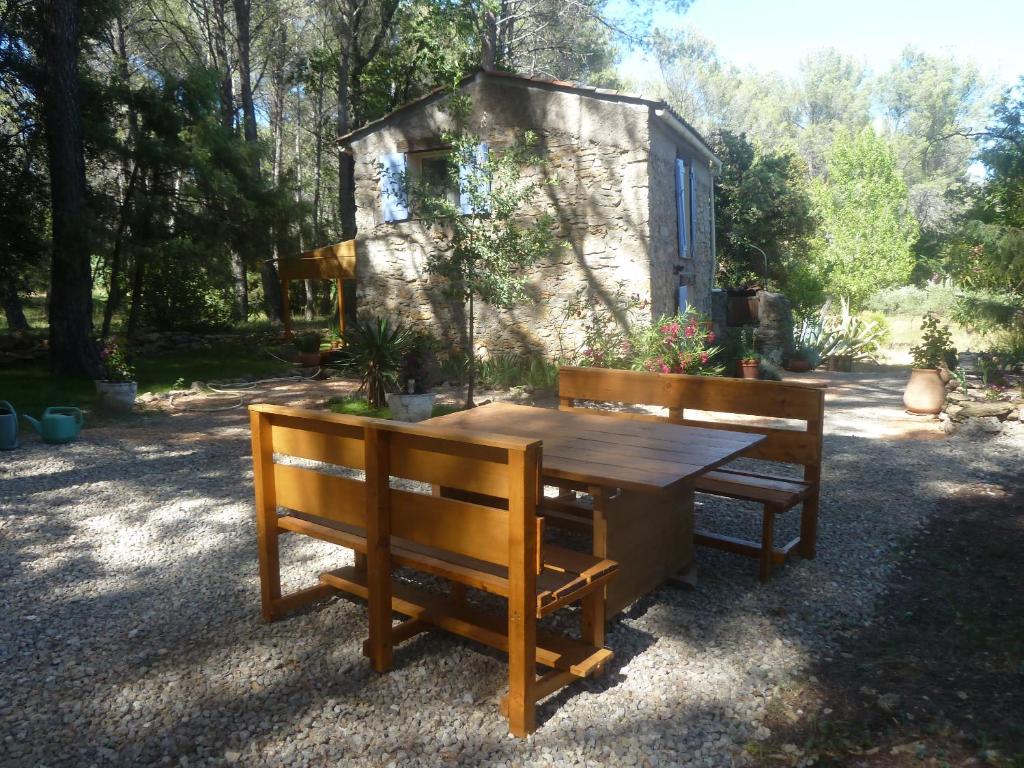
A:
x: 798, y: 365
x: 840, y: 363
x: 925, y: 392
x: 309, y: 359
x: 750, y: 369
x: 944, y: 374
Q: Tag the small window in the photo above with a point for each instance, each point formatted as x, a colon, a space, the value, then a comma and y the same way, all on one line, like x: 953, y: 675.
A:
x: 432, y: 169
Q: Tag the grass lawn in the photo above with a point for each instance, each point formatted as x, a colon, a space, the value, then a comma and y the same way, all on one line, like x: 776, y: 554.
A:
x: 356, y: 406
x: 905, y: 332
x: 30, y: 388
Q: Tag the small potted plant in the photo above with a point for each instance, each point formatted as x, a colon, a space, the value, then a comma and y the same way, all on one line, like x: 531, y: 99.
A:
x: 750, y: 360
x: 309, y: 349
x: 416, y: 403
x: 801, y: 359
x: 926, y: 389
x: 116, y: 391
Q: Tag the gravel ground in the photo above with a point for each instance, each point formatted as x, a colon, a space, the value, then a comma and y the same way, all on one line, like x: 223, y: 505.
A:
x: 130, y: 630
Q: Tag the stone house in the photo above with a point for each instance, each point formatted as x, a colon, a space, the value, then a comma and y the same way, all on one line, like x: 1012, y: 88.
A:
x: 633, y: 201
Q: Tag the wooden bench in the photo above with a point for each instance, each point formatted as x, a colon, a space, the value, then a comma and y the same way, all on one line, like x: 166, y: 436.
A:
x: 724, y: 397
x: 492, y: 543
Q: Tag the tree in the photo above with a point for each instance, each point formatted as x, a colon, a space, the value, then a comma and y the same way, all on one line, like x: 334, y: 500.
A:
x: 72, y: 349
x: 986, y: 253
x: 762, y: 202
x: 867, y: 233
x: 476, y: 213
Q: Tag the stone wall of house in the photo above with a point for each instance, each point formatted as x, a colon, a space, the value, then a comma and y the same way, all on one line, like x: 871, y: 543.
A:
x: 597, y: 151
x: 698, y: 271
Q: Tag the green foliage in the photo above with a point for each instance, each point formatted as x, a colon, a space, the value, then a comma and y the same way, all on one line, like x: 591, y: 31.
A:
x: 681, y: 343
x: 357, y: 406
x: 761, y: 202
x: 867, y: 232
x: 605, y: 325
x: 913, y: 300
x: 308, y: 343
x: 485, y: 254
x: 985, y: 256
x: 374, y: 351
x: 936, y: 345
x: 116, y: 365
x: 825, y: 334
x: 747, y: 350
x: 503, y: 371
x: 420, y: 363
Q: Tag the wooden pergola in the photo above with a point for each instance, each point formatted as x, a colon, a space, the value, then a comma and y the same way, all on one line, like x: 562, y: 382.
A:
x: 332, y: 262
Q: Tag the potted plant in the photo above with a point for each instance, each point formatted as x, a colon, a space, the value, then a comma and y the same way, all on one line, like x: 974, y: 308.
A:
x: 309, y: 349
x: 801, y: 359
x: 375, y: 352
x: 926, y: 390
x: 116, y: 391
x: 750, y: 360
x: 416, y: 403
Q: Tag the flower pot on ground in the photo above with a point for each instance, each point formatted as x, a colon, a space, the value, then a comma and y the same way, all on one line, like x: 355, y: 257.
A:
x: 750, y: 361
x: 411, y: 407
x: 115, y: 393
x: 309, y: 349
x: 925, y: 392
x: 750, y: 369
x: 840, y: 363
x: 926, y: 389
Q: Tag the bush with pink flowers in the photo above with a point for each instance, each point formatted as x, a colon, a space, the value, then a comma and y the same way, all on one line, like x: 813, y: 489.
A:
x: 681, y: 343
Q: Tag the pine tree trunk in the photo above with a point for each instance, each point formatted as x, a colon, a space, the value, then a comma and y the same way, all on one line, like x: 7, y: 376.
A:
x: 72, y: 349
x: 11, y: 301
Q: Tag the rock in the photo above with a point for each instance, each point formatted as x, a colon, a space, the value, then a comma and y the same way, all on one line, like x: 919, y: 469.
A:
x: 980, y: 427
x: 889, y: 702
x: 774, y: 335
x: 952, y: 410
x: 956, y: 396
x: 993, y: 408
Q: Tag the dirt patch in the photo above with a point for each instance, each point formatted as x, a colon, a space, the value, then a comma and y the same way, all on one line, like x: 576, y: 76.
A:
x: 939, y: 679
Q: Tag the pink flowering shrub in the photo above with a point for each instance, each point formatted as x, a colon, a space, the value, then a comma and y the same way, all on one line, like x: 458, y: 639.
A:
x: 682, y: 343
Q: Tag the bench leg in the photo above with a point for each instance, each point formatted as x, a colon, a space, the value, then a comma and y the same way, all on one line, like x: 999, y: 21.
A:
x: 592, y: 621
x: 808, y: 528
x: 767, y: 542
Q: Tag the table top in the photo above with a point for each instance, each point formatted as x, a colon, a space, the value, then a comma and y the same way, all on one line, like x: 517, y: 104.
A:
x: 646, y: 456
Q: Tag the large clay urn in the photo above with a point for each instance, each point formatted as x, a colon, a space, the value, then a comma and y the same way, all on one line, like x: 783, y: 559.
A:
x: 925, y: 392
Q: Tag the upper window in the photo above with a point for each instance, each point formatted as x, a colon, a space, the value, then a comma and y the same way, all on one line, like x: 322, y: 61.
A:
x: 431, y: 167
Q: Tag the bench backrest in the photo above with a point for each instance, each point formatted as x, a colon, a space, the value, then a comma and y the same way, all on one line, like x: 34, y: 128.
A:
x: 722, y: 396
x: 501, y: 473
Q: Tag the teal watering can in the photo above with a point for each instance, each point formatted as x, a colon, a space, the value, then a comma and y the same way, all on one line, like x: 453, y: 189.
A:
x: 59, y: 424
x: 8, y: 426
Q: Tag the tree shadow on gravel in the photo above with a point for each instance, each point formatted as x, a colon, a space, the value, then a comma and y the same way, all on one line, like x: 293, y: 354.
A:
x: 939, y: 678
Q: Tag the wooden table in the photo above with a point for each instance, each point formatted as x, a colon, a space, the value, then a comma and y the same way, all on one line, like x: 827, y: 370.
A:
x: 640, y: 475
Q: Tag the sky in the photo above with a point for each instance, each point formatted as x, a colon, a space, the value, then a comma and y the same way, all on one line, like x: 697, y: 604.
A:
x: 775, y: 35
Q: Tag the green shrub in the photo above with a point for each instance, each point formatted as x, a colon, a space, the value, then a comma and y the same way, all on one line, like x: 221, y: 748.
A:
x: 936, y: 347
x: 375, y: 351
x: 681, y: 343
x: 827, y: 334
x: 912, y: 300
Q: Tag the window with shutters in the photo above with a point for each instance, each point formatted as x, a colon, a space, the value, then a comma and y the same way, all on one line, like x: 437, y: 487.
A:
x: 431, y: 168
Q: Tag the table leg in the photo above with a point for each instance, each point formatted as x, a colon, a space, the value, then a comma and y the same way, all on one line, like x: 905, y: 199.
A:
x: 650, y: 536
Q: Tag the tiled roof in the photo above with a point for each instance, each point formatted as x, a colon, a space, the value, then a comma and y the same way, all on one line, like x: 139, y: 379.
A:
x: 561, y: 85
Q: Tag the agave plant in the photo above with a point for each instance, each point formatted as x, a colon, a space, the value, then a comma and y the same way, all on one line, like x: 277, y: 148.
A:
x: 375, y: 351
x: 827, y: 334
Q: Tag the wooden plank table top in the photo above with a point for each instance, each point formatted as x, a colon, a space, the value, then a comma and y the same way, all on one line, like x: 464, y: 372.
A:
x: 643, y: 456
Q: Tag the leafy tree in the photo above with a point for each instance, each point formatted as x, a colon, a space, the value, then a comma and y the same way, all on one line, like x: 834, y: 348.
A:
x: 486, y: 242
x: 762, y: 204
x: 867, y: 232
x: 986, y: 253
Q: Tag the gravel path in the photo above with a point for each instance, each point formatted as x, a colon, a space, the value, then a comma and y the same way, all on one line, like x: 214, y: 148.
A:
x: 130, y: 631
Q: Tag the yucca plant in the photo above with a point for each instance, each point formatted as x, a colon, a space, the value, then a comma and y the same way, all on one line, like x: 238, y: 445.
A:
x: 828, y: 335
x: 375, y: 351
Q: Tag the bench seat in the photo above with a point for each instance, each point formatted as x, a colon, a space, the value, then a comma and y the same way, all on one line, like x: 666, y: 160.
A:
x: 565, y: 577
x: 747, y: 486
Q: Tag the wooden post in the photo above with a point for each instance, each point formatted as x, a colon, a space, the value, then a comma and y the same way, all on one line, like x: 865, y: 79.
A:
x: 266, y: 513
x: 523, y: 467
x: 378, y: 547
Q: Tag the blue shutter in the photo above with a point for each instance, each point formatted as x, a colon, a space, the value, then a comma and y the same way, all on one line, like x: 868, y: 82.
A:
x: 394, y: 199
x: 681, y: 218
x: 693, y: 211
x: 470, y: 173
